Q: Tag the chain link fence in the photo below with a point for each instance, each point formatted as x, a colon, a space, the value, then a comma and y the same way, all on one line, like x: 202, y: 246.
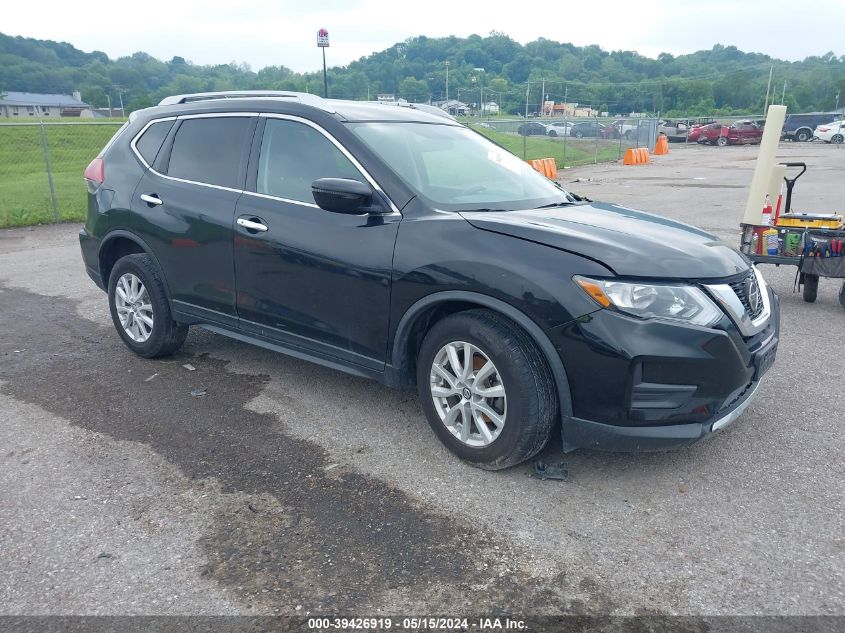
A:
x: 41, y: 165
x: 574, y: 141
x: 570, y: 141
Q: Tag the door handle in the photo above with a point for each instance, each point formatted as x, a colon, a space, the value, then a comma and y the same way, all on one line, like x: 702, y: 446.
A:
x: 252, y: 224
x: 151, y: 199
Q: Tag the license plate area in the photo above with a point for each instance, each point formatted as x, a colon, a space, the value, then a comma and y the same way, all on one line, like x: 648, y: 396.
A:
x: 764, y: 360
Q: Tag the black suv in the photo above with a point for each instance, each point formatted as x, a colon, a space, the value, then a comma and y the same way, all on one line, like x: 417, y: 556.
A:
x: 393, y: 243
x: 800, y: 127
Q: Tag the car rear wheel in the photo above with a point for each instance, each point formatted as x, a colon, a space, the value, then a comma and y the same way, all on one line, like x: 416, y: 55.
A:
x: 836, y: 138
x: 486, y: 389
x: 140, y: 310
x: 578, y: 134
x: 722, y: 141
x: 552, y: 133
x: 811, y: 288
x: 803, y: 135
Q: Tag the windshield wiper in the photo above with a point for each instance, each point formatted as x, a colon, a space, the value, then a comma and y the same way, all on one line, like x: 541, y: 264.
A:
x: 557, y: 204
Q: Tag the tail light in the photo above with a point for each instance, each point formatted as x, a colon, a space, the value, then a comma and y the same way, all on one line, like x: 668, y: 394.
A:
x: 96, y: 171
x: 823, y: 129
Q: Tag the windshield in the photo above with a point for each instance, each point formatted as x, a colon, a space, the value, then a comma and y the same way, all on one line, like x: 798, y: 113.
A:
x: 457, y: 169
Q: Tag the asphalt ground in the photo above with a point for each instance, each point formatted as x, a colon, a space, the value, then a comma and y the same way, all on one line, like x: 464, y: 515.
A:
x: 293, y: 489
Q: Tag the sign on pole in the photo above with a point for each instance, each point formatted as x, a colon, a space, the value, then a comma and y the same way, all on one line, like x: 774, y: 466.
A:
x: 322, y: 38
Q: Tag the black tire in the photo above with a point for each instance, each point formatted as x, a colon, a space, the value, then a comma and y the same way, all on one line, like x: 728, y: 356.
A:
x: 803, y: 135
x: 532, y: 405
x: 722, y: 141
x: 166, y: 336
x: 629, y: 135
x: 842, y: 295
x: 837, y: 138
x: 552, y: 133
x: 811, y: 288
x: 578, y: 134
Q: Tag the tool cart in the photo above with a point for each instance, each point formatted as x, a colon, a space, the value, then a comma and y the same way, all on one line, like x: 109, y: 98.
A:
x: 815, y: 243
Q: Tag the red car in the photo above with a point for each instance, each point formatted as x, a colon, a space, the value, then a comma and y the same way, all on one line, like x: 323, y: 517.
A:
x: 740, y: 133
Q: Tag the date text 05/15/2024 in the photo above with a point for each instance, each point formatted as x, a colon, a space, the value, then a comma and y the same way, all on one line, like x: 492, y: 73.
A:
x: 416, y: 624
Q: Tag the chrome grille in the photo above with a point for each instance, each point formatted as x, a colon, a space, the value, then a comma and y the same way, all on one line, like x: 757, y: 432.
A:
x: 745, y: 290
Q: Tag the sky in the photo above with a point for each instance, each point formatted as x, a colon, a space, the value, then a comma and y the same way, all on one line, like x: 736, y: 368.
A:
x: 273, y: 32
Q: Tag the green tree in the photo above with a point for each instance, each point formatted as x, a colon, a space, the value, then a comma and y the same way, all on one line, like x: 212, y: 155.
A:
x: 413, y: 90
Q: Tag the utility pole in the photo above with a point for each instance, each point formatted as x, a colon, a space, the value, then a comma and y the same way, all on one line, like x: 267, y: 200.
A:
x: 122, y: 111
x: 783, y: 92
x: 527, y: 89
x: 768, y: 87
x: 108, y: 96
x: 447, y: 87
x: 525, y: 130
x: 837, y: 100
x: 543, y: 95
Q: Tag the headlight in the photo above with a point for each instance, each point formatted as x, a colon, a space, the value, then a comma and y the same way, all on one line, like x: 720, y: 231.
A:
x: 653, y: 301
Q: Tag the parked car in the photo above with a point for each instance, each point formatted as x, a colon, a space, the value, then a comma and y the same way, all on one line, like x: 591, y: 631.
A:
x: 695, y: 128
x: 590, y: 129
x: 675, y: 130
x: 833, y: 132
x: 626, y: 129
x: 398, y: 245
x: 559, y: 128
x: 799, y: 127
x: 532, y: 128
x: 740, y: 133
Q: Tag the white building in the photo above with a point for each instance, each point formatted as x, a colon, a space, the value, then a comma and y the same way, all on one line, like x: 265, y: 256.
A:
x: 29, y: 104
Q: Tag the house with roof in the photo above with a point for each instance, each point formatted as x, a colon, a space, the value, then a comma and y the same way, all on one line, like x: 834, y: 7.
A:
x: 25, y: 105
x: 453, y: 107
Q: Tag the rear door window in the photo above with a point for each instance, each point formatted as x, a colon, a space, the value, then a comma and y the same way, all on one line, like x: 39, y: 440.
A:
x: 210, y: 150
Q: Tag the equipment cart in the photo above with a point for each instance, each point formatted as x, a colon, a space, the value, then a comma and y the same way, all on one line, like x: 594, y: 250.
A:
x: 815, y: 243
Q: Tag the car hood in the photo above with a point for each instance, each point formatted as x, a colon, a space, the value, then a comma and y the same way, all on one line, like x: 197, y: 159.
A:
x: 630, y: 243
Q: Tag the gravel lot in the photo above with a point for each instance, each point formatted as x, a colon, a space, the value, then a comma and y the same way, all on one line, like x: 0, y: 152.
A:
x: 294, y: 489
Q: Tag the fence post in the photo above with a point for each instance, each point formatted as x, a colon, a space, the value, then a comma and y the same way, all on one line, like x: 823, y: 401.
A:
x: 566, y: 129
x: 49, y: 172
x: 596, y: 147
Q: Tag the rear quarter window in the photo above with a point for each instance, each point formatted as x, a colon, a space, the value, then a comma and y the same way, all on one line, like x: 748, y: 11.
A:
x: 150, y: 142
x: 210, y: 150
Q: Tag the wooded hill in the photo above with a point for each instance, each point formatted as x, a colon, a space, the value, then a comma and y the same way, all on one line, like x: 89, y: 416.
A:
x: 723, y: 80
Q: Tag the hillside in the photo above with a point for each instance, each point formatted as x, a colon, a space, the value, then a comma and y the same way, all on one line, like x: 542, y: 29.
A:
x: 721, y: 80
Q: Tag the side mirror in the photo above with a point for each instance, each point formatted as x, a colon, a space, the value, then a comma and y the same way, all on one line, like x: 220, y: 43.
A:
x: 342, y: 195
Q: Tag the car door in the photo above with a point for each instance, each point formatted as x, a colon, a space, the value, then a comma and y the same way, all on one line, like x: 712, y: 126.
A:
x: 307, y: 277
x: 184, y: 209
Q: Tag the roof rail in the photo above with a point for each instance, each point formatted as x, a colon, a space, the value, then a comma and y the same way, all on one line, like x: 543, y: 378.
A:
x: 302, y: 97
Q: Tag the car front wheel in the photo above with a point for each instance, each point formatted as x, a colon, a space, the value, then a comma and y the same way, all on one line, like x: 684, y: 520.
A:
x: 836, y: 138
x: 486, y: 389
x: 140, y: 310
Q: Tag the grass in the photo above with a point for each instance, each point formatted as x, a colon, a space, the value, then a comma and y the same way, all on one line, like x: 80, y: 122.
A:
x: 24, y: 188
x: 25, y: 191
x: 576, y: 151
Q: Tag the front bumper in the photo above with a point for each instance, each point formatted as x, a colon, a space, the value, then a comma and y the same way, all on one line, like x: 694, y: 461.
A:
x: 643, y: 387
x: 580, y: 433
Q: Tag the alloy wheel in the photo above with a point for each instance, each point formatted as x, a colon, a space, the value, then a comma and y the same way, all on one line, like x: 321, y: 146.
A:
x: 468, y: 394
x: 134, y: 308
